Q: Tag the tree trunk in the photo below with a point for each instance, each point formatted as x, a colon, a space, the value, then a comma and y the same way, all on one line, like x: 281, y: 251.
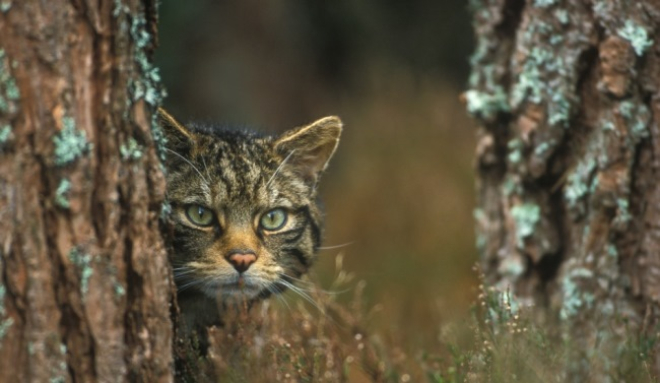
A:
x: 85, y: 289
x: 568, y: 161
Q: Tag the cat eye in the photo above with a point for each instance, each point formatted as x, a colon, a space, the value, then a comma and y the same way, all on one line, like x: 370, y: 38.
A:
x: 199, y: 215
x: 273, y: 220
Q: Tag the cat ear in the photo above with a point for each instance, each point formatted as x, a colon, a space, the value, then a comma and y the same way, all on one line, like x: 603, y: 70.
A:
x: 309, y: 148
x: 175, y: 133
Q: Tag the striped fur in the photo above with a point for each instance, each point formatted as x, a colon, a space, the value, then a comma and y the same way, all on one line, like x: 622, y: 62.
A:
x: 238, y: 176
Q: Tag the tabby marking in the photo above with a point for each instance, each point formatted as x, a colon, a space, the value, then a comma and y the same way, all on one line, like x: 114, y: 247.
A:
x: 247, y: 223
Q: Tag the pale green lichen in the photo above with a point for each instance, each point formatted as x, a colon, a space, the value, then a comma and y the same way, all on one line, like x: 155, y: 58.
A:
x: 603, y: 8
x: 544, y: 3
x: 626, y: 109
x: 612, y: 251
x: 120, y: 8
x: 529, y: 85
x: 83, y: 262
x: 562, y: 16
x: 120, y: 291
x: 5, y: 323
x: 558, y: 110
x: 511, y: 186
x: 481, y: 239
x: 165, y: 210
x: 578, y: 183
x: 61, y: 192
x: 542, y: 148
x: 475, y: 5
x: 486, y: 98
x: 5, y: 6
x: 60, y: 371
x: 131, y: 150
x: 70, y: 143
x: 526, y: 216
x: 515, y: 147
x: 512, y: 266
x: 608, y: 126
x: 533, y: 88
x: 574, y: 298
x: 637, y: 117
x: 9, y: 92
x: 486, y: 105
x: 148, y: 86
x: 3, y: 292
x: 623, y: 215
x: 5, y: 133
x: 637, y: 36
x: 480, y: 70
x: 639, y: 125
x: 556, y: 39
x: 544, y: 77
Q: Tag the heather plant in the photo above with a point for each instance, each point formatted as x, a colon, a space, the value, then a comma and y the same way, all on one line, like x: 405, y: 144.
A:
x: 320, y: 338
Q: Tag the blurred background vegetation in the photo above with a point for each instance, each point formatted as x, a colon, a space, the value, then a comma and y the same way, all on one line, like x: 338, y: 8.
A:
x: 400, y: 189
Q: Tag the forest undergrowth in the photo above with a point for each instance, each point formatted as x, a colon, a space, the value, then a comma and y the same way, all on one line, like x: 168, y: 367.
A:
x: 320, y: 338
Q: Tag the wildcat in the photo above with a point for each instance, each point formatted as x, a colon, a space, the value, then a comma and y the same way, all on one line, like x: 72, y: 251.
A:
x: 247, y: 223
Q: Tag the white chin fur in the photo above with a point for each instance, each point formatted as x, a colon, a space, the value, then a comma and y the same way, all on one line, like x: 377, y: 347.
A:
x: 233, y: 289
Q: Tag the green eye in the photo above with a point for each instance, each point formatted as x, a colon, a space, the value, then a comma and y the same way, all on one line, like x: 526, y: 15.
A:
x: 273, y: 220
x: 199, y: 215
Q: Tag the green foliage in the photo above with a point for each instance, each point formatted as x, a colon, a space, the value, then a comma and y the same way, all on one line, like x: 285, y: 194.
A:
x: 503, y: 341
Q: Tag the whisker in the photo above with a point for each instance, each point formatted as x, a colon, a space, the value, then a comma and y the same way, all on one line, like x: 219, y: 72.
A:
x: 184, y: 269
x: 335, y: 246
x: 302, y: 293
x: 279, y: 167
x: 192, y: 283
x: 190, y: 163
x: 280, y: 297
x: 288, y: 278
x: 313, y: 288
x: 206, y: 168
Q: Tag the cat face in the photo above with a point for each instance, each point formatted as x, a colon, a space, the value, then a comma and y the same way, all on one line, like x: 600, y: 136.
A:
x: 247, y: 223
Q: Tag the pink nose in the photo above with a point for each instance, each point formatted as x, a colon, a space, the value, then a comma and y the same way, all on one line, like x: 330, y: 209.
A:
x: 241, y: 260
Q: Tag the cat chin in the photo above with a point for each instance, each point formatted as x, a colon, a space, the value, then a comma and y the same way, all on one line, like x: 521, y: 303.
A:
x: 236, y: 290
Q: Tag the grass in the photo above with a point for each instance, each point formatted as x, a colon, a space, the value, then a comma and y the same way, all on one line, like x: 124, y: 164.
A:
x: 329, y: 341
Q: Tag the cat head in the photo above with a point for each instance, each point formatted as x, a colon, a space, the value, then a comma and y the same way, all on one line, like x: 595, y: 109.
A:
x: 247, y: 221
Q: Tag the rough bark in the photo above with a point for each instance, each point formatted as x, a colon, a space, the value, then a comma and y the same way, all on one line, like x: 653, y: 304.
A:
x: 568, y: 160
x: 84, y: 283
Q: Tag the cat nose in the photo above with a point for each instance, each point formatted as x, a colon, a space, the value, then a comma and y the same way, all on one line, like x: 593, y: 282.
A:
x: 241, y: 259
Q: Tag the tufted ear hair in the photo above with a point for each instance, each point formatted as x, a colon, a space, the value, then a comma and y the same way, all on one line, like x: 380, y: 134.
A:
x: 308, y: 149
x: 176, y: 134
